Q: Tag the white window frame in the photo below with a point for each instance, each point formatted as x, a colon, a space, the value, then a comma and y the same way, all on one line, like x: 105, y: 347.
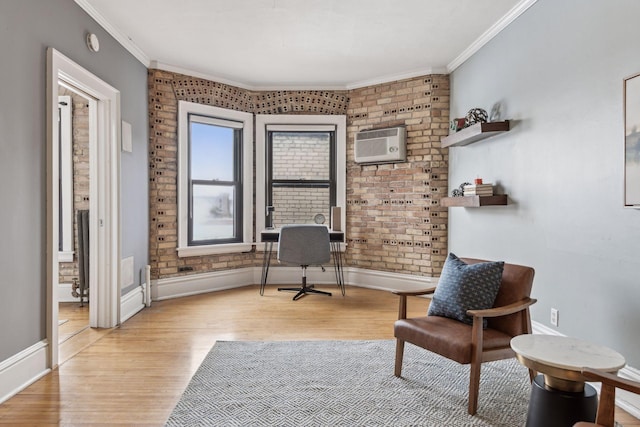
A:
x: 295, y: 122
x: 184, y: 109
x: 66, y: 177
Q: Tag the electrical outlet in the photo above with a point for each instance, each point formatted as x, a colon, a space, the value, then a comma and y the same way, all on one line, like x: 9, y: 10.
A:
x: 554, y: 316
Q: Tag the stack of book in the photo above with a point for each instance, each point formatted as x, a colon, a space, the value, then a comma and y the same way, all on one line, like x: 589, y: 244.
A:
x: 478, y: 190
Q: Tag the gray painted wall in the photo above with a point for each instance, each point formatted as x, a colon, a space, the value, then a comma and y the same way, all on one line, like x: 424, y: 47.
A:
x: 27, y: 28
x: 558, y: 70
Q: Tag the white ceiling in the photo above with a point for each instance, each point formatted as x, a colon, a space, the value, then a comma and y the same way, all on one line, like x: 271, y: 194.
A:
x: 304, y: 44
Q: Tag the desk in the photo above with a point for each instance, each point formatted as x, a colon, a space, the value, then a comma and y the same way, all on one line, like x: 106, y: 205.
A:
x: 269, y: 237
x: 560, y: 397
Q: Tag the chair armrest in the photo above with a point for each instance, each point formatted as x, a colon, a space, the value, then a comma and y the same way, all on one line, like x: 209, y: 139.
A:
x: 402, y: 309
x: 503, y: 310
x: 611, y: 379
x: 415, y: 293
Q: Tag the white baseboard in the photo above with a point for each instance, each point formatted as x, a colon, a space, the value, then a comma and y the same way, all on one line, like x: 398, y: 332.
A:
x: 539, y: 328
x: 628, y: 401
x: 23, y: 369
x: 175, y: 287
x: 386, y: 281
x: 131, y: 303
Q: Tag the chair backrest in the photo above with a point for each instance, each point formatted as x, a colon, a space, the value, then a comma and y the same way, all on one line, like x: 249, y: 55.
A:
x: 517, y: 281
x: 304, y: 244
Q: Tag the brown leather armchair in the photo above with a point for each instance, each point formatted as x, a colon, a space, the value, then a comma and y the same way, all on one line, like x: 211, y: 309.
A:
x: 607, y: 402
x: 467, y: 344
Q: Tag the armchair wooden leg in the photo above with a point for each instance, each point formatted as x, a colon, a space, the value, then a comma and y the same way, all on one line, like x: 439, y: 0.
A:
x: 474, y: 387
x: 607, y: 405
x: 399, y: 356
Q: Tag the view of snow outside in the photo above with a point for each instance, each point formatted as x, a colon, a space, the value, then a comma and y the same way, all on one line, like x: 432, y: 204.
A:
x: 212, y: 159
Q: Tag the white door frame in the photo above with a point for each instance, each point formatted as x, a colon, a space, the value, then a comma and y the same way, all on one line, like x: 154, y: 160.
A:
x: 104, y: 195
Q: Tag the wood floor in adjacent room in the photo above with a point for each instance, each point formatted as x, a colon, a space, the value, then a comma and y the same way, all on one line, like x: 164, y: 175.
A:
x: 135, y: 374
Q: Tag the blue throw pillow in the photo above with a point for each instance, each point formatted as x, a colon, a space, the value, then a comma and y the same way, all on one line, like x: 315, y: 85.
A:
x: 465, y: 287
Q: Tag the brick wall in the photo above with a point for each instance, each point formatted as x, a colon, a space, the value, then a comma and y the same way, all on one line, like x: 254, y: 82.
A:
x: 394, y: 222
x: 80, y: 141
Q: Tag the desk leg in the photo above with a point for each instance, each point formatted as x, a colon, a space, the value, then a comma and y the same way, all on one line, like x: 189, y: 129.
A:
x: 266, y: 260
x: 337, y: 265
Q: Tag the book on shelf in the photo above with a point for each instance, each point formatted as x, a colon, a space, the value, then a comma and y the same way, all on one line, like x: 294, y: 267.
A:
x: 478, y: 190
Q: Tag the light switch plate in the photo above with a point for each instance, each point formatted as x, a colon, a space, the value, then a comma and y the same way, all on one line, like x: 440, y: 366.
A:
x: 127, y: 138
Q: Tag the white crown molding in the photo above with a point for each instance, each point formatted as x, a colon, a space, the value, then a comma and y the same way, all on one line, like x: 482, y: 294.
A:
x: 349, y: 86
x: 129, y: 45
x: 175, y: 69
x: 180, y: 70
x: 395, y: 77
x: 121, y: 37
x: 493, y: 31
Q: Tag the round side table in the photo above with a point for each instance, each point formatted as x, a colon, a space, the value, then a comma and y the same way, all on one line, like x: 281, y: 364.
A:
x: 559, y: 396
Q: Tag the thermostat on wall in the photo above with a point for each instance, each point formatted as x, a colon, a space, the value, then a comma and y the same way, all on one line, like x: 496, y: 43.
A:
x: 93, y: 43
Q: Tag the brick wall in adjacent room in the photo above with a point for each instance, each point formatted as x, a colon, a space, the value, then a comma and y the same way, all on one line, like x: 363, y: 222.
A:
x: 394, y: 222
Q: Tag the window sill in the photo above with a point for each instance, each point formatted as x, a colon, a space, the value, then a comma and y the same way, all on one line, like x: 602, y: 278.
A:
x: 214, y: 249
x: 65, y: 256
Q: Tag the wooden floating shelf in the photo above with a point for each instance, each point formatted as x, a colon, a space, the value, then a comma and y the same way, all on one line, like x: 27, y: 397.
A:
x: 474, y: 201
x: 475, y: 133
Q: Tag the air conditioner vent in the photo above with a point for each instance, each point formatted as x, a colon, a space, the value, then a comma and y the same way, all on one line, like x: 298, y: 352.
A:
x: 381, y: 133
x: 381, y: 146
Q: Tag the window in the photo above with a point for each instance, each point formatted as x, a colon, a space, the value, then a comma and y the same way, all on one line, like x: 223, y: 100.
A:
x: 65, y: 179
x: 301, y: 184
x: 300, y: 169
x: 215, y: 191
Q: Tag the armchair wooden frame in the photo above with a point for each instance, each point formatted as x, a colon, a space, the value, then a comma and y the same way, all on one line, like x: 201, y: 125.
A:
x: 607, y: 403
x: 478, y: 353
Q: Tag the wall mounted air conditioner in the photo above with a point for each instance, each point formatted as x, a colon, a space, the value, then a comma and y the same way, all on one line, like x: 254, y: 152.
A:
x: 381, y: 145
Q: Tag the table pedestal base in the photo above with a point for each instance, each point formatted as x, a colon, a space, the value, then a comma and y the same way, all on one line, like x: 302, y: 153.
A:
x: 549, y: 407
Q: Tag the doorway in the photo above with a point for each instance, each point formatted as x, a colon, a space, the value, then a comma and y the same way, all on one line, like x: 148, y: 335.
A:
x: 74, y: 177
x: 103, y: 196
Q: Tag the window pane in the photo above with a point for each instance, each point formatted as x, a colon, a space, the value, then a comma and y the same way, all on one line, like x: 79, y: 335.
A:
x: 211, y: 152
x: 300, y: 155
x: 295, y: 205
x: 213, y: 212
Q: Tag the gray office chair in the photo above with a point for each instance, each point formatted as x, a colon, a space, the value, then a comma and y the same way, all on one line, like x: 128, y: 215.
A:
x: 305, y: 245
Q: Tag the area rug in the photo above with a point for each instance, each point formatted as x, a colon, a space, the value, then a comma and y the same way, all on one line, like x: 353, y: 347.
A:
x: 345, y: 383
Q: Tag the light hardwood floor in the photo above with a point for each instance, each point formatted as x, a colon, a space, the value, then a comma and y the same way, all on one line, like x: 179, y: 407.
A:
x: 135, y: 374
